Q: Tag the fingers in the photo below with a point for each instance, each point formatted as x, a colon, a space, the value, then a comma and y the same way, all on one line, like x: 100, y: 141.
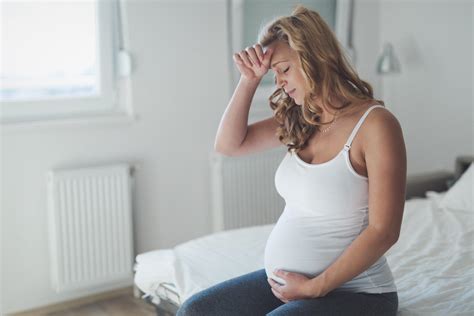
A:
x: 251, y: 56
x: 259, y: 52
x: 267, y: 57
x: 275, y: 285
x: 278, y: 295
x: 246, y: 59
x: 244, y: 70
x: 238, y: 59
x: 253, y: 62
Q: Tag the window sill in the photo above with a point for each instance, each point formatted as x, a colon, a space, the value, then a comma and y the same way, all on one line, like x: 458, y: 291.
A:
x: 71, y: 121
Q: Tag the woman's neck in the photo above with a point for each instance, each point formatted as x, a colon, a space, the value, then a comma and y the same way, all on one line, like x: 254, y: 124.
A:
x: 328, y: 113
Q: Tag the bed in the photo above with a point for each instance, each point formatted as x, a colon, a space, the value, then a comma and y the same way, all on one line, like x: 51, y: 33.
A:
x: 432, y: 262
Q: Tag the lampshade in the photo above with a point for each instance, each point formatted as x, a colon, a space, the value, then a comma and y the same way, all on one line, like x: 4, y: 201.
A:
x: 388, y: 62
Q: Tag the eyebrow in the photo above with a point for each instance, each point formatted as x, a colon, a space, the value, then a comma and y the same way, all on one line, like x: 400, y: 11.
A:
x: 278, y: 62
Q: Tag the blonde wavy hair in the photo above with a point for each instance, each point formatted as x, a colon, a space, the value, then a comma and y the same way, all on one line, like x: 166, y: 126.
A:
x: 326, y: 70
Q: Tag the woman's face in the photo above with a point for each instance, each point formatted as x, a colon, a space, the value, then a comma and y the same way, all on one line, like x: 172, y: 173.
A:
x: 288, y: 72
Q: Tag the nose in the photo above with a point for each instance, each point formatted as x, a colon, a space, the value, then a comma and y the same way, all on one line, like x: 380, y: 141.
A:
x: 279, y: 82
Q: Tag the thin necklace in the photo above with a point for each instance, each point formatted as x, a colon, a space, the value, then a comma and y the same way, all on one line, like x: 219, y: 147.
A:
x: 330, y: 125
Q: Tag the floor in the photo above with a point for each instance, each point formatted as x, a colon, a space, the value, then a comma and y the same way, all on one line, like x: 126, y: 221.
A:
x: 124, y: 305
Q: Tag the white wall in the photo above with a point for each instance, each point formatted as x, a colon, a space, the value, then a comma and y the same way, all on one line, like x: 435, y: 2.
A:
x: 432, y: 97
x: 180, y: 90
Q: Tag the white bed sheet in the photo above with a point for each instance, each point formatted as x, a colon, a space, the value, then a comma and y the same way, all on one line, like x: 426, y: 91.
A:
x: 432, y: 262
x: 153, y: 271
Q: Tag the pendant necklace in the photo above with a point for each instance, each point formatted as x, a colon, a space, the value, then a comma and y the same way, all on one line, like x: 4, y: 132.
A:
x: 330, y: 125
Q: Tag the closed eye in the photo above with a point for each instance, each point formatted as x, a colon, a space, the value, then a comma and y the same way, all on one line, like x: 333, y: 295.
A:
x: 285, y: 71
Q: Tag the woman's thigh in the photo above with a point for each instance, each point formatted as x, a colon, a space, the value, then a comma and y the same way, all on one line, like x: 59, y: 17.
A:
x: 248, y: 294
x: 342, y: 304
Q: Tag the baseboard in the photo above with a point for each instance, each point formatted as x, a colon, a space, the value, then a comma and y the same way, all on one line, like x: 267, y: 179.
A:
x: 76, y: 302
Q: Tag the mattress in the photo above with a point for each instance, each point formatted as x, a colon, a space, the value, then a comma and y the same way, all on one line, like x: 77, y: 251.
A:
x: 154, y: 276
x: 432, y: 262
x: 200, y: 263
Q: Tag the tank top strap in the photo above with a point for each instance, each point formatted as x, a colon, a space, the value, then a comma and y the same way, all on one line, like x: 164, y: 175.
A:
x: 348, y: 144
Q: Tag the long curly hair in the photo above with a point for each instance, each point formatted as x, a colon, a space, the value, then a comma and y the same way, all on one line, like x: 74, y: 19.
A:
x: 326, y: 69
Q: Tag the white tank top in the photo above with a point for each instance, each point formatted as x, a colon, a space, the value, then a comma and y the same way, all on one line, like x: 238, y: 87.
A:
x: 326, y: 209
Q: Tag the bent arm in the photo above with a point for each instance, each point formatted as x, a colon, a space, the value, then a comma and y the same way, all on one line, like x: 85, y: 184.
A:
x: 385, y: 156
x: 364, y: 251
x: 233, y: 126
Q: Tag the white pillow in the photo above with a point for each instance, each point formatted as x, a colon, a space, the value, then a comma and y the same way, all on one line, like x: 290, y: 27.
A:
x: 435, y: 197
x: 460, y: 195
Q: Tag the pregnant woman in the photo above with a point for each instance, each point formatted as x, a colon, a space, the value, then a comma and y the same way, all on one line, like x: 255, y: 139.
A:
x: 343, y: 179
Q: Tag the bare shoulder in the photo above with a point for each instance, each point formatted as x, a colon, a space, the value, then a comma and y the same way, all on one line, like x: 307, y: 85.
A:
x: 381, y: 127
x: 381, y: 119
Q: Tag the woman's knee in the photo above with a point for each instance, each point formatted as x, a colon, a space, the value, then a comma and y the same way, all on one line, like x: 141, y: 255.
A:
x: 228, y: 296
x: 195, y: 305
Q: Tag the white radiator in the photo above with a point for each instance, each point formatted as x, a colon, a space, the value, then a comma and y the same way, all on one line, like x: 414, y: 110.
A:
x: 90, y: 225
x: 243, y: 189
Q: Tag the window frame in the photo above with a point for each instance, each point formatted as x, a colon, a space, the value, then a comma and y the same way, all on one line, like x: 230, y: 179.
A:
x: 108, y: 103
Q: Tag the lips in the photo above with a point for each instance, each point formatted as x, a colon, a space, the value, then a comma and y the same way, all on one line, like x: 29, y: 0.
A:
x: 291, y: 92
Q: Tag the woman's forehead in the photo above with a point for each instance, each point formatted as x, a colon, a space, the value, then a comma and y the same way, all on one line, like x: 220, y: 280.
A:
x: 280, y: 48
x: 280, y: 53
x: 278, y: 57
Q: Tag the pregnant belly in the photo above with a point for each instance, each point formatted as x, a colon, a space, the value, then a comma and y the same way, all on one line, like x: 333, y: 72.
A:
x: 303, y: 245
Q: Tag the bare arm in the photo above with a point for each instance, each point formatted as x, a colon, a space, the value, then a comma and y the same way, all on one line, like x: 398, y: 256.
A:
x: 385, y: 155
x: 253, y: 64
x: 233, y: 126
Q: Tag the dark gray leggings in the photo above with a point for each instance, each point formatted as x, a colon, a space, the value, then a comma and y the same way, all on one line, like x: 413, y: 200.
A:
x: 250, y: 294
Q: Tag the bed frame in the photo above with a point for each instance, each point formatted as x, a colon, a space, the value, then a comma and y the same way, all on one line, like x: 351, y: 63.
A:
x: 417, y: 185
x: 438, y: 181
x: 166, y: 307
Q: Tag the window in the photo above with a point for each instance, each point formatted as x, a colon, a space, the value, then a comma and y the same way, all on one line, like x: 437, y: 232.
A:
x: 59, y: 59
